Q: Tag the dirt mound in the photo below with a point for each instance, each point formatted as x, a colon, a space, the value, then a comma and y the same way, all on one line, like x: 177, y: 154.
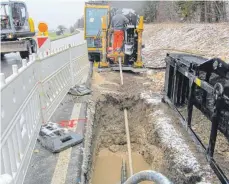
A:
x: 208, y: 40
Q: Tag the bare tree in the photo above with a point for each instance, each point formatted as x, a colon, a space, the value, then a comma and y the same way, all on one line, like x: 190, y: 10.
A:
x: 195, y: 11
x: 61, y: 29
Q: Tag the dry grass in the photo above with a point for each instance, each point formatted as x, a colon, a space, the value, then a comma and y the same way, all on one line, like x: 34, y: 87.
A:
x: 208, y: 40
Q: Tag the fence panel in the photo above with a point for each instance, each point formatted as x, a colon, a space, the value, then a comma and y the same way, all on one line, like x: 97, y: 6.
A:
x: 30, y: 97
x: 20, y: 120
x: 56, y: 81
x: 14, y: 93
x: 80, y: 63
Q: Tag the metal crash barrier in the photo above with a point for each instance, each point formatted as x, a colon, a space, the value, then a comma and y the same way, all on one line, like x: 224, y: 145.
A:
x: 30, y: 96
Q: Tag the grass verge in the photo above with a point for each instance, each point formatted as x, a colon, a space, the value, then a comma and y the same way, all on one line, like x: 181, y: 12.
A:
x: 54, y: 37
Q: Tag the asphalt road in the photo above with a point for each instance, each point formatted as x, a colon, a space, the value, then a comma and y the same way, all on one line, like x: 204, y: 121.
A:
x: 44, y: 164
x: 10, y: 59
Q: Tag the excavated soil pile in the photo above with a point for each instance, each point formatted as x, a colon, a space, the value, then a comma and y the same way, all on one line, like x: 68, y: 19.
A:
x: 207, y: 40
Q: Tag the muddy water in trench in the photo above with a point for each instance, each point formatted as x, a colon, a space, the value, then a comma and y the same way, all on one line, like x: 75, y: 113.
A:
x: 109, y: 140
x: 108, y: 166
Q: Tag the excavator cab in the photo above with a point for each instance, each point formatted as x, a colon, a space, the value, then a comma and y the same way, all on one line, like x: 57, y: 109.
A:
x: 15, y: 21
x: 17, y: 29
x: 5, y: 23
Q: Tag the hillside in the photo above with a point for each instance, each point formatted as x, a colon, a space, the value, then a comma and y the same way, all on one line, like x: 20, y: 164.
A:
x: 208, y: 40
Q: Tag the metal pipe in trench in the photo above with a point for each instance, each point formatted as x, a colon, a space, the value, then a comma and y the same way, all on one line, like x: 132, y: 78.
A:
x: 128, y: 142
x: 148, y: 175
x: 126, y: 125
x: 120, y: 70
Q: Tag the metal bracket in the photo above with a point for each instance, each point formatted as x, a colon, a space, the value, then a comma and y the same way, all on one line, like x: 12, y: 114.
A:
x: 56, y: 139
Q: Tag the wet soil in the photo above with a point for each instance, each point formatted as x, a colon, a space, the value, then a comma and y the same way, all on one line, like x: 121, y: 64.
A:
x: 109, y: 134
x: 157, y: 136
x: 108, y: 164
x: 155, y: 149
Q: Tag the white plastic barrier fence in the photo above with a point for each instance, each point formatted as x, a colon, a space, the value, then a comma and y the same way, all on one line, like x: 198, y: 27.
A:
x: 29, y: 98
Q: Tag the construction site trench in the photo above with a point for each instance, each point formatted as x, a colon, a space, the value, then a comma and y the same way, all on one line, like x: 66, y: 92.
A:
x: 158, y: 141
x: 110, y: 146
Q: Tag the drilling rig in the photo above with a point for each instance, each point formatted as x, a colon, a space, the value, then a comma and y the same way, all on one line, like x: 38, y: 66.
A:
x: 99, y: 36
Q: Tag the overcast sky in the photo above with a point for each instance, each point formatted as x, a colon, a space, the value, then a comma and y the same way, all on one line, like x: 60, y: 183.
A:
x: 55, y: 12
x: 65, y: 12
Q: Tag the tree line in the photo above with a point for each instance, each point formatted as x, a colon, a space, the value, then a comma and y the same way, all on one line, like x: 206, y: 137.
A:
x: 186, y: 11
x: 174, y: 11
x: 78, y: 24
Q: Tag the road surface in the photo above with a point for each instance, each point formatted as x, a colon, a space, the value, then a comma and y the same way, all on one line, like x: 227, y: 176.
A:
x: 13, y: 58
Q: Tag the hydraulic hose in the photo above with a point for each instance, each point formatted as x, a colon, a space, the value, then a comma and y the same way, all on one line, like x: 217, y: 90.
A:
x: 148, y: 175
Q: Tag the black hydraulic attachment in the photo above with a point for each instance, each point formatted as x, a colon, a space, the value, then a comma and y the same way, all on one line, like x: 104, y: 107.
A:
x: 194, y: 81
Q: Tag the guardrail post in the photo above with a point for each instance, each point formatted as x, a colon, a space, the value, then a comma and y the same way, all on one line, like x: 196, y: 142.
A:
x: 34, y: 56
x: 42, y: 104
x: 15, y: 69
x: 24, y: 62
x: 71, y: 66
x: 31, y: 58
x: 40, y: 55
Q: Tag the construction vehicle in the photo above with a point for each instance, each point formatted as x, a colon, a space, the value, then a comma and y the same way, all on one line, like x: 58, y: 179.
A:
x: 17, y: 29
x: 193, y: 81
x: 93, y: 14
x: 98, y: 33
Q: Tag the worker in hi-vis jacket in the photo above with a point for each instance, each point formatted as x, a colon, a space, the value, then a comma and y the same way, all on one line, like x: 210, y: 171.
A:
x: 118, y: 23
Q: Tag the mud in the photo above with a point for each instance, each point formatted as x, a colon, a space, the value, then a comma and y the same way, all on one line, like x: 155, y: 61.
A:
x: 158, y: 141
x: 109, y: 132
x: 108, y: 164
